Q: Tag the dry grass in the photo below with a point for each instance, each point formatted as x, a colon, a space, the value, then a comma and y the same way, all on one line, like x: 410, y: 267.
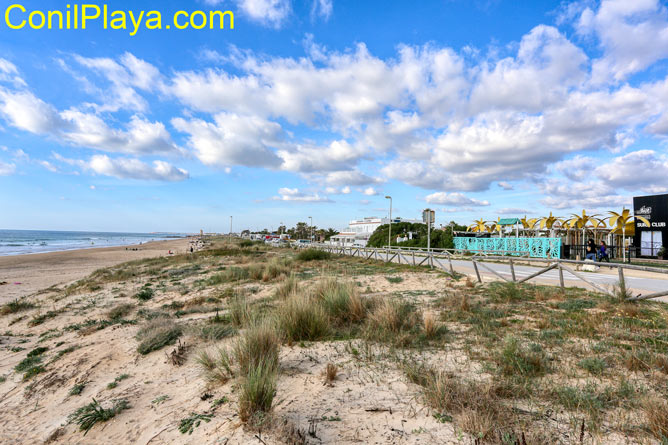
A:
x: 429, y: 324
x: 656, y: 416
x: 288, y: 287
x: 330, y: 373
x: 156, y: 334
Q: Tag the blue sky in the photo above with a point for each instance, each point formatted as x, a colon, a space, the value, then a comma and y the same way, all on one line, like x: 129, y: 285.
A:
x: 320, y: 108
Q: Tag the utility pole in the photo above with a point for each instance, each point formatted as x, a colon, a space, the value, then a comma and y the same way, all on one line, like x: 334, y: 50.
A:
x: 389, y: 232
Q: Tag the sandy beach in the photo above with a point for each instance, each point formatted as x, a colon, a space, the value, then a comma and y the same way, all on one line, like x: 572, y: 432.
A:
x: 26, y: 274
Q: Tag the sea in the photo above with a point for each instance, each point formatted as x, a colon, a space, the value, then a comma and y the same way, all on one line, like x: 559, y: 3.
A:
x: 19, y: 242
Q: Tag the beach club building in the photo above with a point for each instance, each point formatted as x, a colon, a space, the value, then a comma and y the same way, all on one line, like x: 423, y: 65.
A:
x: 648, y: 240
x: 359, y: 231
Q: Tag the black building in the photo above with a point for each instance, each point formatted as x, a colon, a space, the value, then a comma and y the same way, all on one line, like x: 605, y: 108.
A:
x: 648, y: 241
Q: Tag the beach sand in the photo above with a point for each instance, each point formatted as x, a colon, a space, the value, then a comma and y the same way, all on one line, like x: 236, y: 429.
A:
x: 26, y: 274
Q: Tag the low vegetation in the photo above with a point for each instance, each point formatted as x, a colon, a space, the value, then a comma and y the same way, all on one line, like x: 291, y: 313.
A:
x: 88, y: 415
x: 156, y: 334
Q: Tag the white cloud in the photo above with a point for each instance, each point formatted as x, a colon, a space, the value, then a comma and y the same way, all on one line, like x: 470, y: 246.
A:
x: 294, y: 194
x: 268, y: 12
x: 370, y: 191
x: 322, y: 8
x: 513, y: 211
x: 6, y: 168
x: 134, y: 169
x: 27, y: 112
x: 456, y: 199
x: 125, y: 76
x: 233, y: 140
x: 141, y: 137
x: 505, y: 185
x: 632, y: 34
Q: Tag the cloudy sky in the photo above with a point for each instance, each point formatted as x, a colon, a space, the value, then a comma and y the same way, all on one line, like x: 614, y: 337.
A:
x: 476, y: 108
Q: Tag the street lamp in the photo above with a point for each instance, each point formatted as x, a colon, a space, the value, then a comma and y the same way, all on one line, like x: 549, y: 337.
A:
x: 311, y: 220
x: 230, y: 227
x: 389, y: 233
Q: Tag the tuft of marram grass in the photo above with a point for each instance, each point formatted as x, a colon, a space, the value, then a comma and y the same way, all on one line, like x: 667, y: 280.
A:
x: 341, y: 301
x: 239, y: 310
x: 156, y: 334
x: 301, y: 317
x: 288, y: 287
x: 16, y: 306
x: 276, y: 267
x: 260, y: 342
x: 216, y: 366
x: 257, y: 391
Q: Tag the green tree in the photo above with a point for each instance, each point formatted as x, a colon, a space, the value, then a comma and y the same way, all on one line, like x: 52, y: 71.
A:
x: 440, y: 238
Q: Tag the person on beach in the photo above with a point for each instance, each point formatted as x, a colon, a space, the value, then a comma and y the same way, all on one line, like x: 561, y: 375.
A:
x: 590, y: 252
x: 603, y: 252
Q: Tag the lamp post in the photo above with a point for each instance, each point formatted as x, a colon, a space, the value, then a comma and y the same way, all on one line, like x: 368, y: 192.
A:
x: 230, y: 227
x: 311, y: 220
x: 389, y: 233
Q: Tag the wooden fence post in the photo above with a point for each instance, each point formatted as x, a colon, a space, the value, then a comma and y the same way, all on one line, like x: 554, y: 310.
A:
x: 561, y: 277
x: 477, y: 273
x: 512, y: 270
x: 622, y: 282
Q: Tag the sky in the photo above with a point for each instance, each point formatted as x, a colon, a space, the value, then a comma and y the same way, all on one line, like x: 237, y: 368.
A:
x: 321, y: 108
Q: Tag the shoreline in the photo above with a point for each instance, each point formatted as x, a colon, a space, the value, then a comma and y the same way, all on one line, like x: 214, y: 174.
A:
x: 28, y: 273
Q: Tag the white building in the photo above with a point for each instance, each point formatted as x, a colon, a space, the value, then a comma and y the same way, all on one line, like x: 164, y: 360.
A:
x: 359, y: 230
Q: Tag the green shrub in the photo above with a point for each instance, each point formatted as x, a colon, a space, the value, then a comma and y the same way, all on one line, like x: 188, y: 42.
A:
x: 313, y: 254
x: 38, y: 351
x: 189, y: 424
x: 144, y: 294
x: 77, y: 389
x: 156, y: 334
x: 594, y: 365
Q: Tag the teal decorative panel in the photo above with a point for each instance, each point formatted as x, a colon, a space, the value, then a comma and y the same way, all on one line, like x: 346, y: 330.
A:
x: 535, y: 247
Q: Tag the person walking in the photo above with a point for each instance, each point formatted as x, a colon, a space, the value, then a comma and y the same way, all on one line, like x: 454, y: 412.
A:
x: 603, y: 252
x: 590, y: 251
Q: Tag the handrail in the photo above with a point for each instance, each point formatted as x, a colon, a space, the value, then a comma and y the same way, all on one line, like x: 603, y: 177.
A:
x: 431, y: 257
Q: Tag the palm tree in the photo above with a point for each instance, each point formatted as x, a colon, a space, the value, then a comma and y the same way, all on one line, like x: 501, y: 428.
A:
x: 620, y: 221
x: 581, y: 222
x: 478, y: 226
x: 528, y: 223
x: 548, y: 222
